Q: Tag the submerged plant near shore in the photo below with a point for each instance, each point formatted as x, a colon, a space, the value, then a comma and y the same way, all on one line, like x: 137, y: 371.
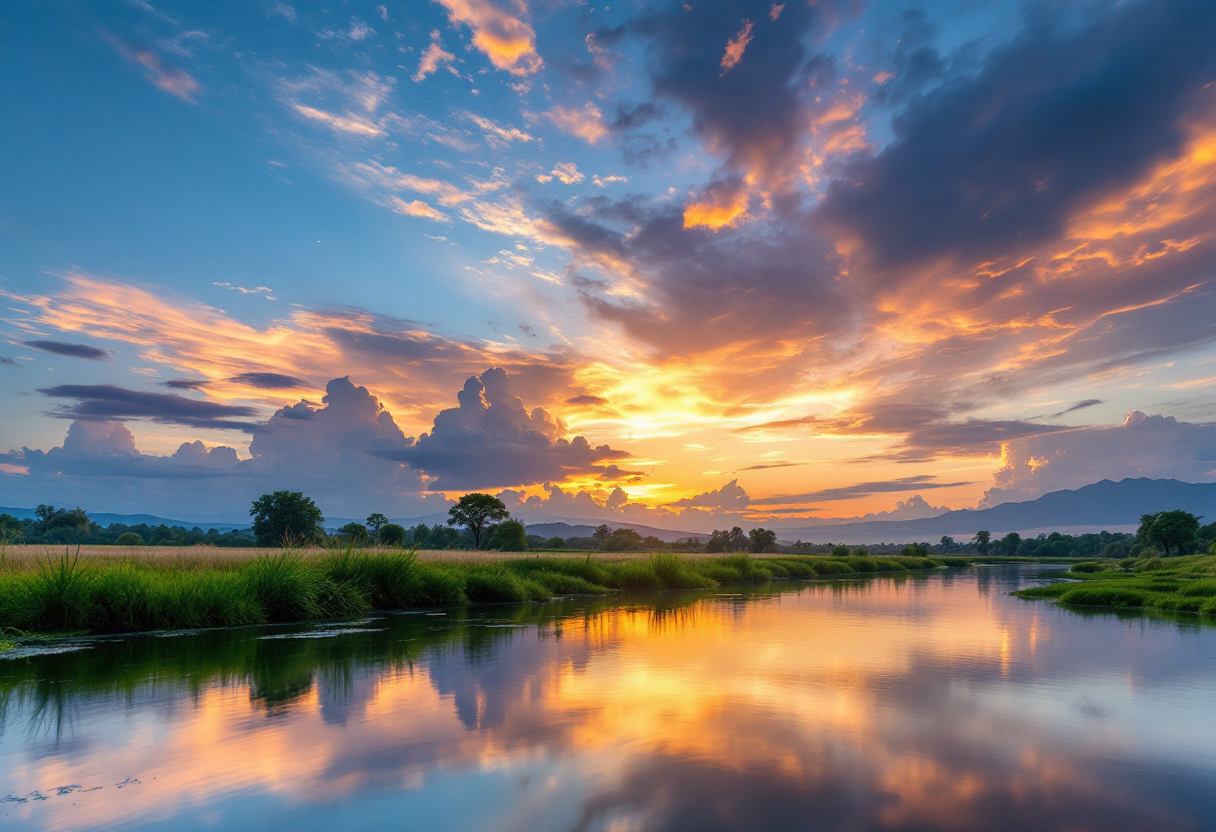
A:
x: 68, y: 594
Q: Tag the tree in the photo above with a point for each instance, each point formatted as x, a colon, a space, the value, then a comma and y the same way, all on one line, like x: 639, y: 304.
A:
x: 622, y: 540
x: 286, y: 518
x: 762, y: 540
x: 376, y: 521
x: 1009, y: 544
x: 129, y: 539
x: 840, y: 551
x: 601, y: 533
x: 1175, y: 530
x: 391, y: 534
x: 477, y: 512
x: 947, y: 543
x: 420, y: 535
x: 508, y: 536
x: 719, y: 541
x: 555, y: 542
x: 354, y: 532
x: 44, y: 513
x: 10, y: 529
x: 981, y: 541
x: 738, y: 541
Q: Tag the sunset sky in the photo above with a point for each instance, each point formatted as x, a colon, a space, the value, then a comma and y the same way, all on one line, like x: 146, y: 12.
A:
x: 683, y: 262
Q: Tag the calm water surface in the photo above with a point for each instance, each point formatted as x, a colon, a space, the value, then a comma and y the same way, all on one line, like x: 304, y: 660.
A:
x: 935, y: 702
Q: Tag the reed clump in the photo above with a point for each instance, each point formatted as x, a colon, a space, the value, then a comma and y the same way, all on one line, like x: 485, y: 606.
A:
x: 1182, y: 584
x: 64, y: 593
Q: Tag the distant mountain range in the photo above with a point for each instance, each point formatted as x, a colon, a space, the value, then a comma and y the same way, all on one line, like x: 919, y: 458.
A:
x: 1113, y: 506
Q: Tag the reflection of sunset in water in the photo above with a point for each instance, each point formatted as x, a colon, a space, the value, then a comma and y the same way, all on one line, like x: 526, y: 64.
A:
x: 892, y: 704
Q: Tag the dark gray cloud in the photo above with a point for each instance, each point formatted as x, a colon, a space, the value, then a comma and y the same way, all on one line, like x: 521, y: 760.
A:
x: 186, y: 383
x: 7, y: 362
x: 492, y: 441
x: 70, y: 350
x: 270, y: 381
x: 988, y: 163
x: 1078, y: 406
x: 587, y: 400
x: 864, y: 489
x: 106, y: 402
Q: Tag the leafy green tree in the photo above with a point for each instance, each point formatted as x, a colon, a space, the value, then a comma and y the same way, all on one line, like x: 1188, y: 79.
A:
x: 420, y: 535
x: 354, y: 532
x: 508, y: 536
x: 915, y: 550
x: 841, y: 551
x: 391, y: 534
x: 129, y: 539
x: 762, y: 540
x: 11, y: 529
x: 286, y: 518
x: 376, y: 521
x: 981, y: 541
x: 719, y: 541
x: 555, y: 542
x: 477, y: 512
x: 44, y: 513
x: 1175, y: 531
x: 1009, y: 544
x: 601, y: 532
x: 738, y: 540
x: 622, y: 540
x: 947, y: 543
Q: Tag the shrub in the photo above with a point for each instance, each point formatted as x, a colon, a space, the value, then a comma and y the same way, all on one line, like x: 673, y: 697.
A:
x: 391, y: 534
x: 509, y: 536
x: 129, y: 539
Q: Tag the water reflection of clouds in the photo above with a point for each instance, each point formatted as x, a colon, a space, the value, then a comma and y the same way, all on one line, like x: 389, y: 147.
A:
x: 885, y: 705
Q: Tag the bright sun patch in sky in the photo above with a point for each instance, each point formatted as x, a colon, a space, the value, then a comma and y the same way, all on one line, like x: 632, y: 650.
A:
x: 674, y: 263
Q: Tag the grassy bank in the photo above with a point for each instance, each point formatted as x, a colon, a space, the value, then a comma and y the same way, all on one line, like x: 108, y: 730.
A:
x: 66, y: 593
x: 1186, y: 584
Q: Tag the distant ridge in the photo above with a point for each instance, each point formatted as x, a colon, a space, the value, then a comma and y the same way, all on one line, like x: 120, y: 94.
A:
x: 1103, y: 504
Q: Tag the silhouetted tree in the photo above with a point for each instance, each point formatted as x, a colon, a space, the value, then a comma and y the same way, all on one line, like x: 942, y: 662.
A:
x: 762, y: 540
x: 477, y: 512
x: 354, y: 532
x: 391, y: 534
x: 947, y: 543
x: 1174, y: 530
x: 719, y: 541
x: 738, y: 540
x: 286, y: 517
x: 601, y: 533
x: 981, y: 541
x: 376, y: 521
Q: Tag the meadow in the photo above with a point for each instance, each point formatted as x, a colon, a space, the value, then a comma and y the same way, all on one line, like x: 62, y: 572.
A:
x: 71, y: 592
x: 1180, y: 584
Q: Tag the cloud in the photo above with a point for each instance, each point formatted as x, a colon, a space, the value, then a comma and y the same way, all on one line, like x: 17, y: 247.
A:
x: 267, y: 381
x: 730, y: 497
x: 418, y: 208
x: 7, y: 362
x: 353, y: 124
x: 735, y: 47
x: 495, y: 133
x: 333, y: 452
x: 352, y: 103
x: 500, y: 31
x: 586, y: 124
x: 1143, y: 446
x: 70, y: 350
x: 1078, y: 406
x: 432, y: 58
x: 1061, y: 117
x: 720, y: 207
x: 918, y: 482
x: 593, y: 401
x: 172, y: 80
x: 491, y: 440
x: 567, y: 173
x: 104, y: 402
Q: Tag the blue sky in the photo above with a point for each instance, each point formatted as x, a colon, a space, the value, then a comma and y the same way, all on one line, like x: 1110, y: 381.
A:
x: 885, y: 247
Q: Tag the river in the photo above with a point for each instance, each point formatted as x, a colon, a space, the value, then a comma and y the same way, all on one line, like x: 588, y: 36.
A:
x: 933, y: 702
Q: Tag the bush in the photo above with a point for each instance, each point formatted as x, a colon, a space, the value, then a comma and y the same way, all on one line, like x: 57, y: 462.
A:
x: 391, y: 534
x: 508, y: 536
x: 129, y: 539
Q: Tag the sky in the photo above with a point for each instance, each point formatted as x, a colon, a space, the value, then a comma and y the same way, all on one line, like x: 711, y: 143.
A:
x: 685, y: 263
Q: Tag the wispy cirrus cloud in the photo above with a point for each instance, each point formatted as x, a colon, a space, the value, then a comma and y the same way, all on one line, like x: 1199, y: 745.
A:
x: 177, y: 82
x: 70, y: 350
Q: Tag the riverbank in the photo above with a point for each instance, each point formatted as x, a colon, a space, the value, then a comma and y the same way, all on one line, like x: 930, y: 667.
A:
x: 1185, y: 584
x: 69, y: 594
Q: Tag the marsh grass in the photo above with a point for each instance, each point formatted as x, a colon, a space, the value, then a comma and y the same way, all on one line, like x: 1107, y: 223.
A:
x: 63, y: 593
x: 1184, y: 584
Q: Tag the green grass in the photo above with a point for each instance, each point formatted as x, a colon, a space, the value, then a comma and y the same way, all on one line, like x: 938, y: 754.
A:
x: 1185, y: 584
x: 63, y: 594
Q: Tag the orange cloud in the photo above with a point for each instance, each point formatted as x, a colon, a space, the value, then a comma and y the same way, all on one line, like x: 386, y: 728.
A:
x: 506, y: 39
x: 735, y: 47
x: 714, y: 214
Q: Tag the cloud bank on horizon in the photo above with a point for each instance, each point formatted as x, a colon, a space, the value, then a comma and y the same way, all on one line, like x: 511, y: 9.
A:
x: 739, y: 261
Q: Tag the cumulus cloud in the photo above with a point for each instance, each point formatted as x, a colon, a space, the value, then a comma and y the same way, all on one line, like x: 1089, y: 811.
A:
x: 432, y: 58
x: 70, y: 350
x: 1158, y: 447
x: 501, y: 31
x: 730, y: 497
x: 335, y: 452
x: 491, y: 440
